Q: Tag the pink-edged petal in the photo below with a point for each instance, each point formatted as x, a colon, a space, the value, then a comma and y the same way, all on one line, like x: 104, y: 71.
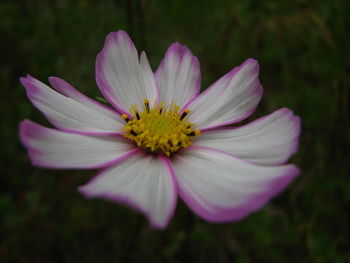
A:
x: 178, y: 76
x: 123, y: 78
x: 68, y: 90
x: 58, y: 149
x: 71, y: 110
x: 230, y: 99
x: 270, y: 140
x: 143, y: 182
x: 219, y: 187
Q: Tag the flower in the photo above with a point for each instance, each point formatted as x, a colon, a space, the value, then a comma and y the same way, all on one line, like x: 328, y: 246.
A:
x: 162, y: 139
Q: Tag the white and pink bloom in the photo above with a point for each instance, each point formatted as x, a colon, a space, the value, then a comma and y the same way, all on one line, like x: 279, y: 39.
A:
x: 162, y: 139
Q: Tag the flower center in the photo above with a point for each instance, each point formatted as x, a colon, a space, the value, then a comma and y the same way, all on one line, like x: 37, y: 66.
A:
x: 160, y: 129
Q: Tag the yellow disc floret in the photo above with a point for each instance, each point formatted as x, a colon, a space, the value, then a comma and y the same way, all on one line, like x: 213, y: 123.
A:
x: 159, y: 129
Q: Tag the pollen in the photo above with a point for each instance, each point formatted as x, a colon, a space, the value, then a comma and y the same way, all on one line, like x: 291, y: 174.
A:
x: 162, y: 128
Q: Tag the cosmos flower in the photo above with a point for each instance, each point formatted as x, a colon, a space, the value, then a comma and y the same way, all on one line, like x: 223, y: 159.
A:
x: 162, y: 138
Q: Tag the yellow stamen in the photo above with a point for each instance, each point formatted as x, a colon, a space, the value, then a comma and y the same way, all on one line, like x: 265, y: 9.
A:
x: 160, y: 129
x: 147, y: 104
x: 125, y: 117
x: 183, y: 115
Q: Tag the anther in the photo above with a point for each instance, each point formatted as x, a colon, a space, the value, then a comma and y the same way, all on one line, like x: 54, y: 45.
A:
x: 132, y: 132
x: 137, y: 115
x: 194, y: 133
x: 184, y: 114
x: 125, y: 118
x: 161, y: 107
x: 146, y: 101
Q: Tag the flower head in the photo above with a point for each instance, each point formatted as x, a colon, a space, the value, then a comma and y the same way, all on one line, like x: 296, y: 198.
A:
x: 162, y: 139
x: 160, y: 129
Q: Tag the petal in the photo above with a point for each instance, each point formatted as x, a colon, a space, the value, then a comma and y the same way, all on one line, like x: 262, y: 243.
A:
x: 270, y: 140
x: 143, y: 182
x: 178, y: 76
x: 71, y: 111
x: 220, y: 187
x: 123, y: 79
x: 57, y: 149
x: 67, y: 90
x: 230, y: 99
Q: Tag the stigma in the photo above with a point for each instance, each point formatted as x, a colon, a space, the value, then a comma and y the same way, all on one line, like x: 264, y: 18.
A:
x: 161, y: 128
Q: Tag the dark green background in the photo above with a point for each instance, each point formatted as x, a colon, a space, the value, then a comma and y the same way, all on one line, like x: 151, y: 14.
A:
x: 303, y: 49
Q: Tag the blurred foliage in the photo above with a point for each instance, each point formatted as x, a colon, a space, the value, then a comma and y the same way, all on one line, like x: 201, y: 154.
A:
x: 303, y: 50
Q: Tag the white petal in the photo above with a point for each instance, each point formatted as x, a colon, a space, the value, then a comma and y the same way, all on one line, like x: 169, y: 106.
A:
x: 57, y: 149
x: 122, y: 78
x: 178, y: 76
x: 142, y: 182
x: 220, y: 187
x: 66, y: 89
x: 230, y: 99
x: 71, y: 111
x: 270, y: 140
